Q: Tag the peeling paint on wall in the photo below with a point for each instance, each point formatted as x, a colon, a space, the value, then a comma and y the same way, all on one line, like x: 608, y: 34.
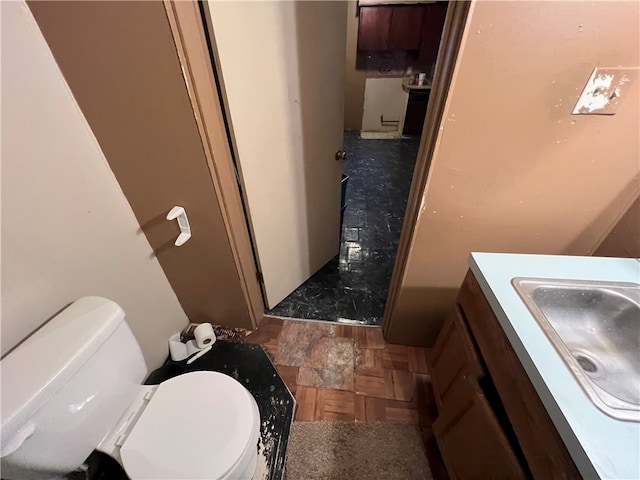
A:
x: 603, y: 91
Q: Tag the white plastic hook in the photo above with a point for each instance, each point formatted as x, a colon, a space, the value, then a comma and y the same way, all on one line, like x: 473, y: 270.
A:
x: 179, y: 213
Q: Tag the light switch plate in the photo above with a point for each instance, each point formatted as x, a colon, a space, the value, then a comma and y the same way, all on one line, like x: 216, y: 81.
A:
x: 605, y: 90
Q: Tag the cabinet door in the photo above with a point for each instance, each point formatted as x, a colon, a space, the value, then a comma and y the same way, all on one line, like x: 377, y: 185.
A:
x: 406, y: 23
x: 416, y: 112
x: 470, y: 438
x: 542, y: 446
x: 453, y: 358
x: 373, y: 28
x: 432, y: 25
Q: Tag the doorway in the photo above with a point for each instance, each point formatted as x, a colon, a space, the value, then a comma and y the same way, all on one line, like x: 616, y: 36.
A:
x: 352, y: 284
x: 207, y: 161
x: 388, y: 76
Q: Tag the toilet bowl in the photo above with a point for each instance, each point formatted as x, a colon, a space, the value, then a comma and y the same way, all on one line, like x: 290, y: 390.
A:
x: 75, y: 386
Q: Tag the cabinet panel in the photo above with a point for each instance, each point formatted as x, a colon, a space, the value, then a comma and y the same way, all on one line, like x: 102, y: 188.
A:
x: 432, y: 25
x: 416, y: 112
x: 471, y: 439
x: 373, y: 28
x: 406, y: 25
x: 453, y: 358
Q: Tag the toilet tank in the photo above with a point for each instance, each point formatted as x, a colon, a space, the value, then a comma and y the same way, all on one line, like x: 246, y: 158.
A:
x: 66, y: 386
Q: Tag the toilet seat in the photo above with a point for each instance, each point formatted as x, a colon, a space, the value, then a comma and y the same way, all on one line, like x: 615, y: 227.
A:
x: 200, y: 425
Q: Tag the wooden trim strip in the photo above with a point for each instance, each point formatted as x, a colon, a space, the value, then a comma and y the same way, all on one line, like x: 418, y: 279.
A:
x: 191, y: 45
x: 455, y: 22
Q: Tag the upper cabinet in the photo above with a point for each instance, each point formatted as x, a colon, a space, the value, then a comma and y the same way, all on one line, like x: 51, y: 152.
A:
x: 412, y: 28
x: 373, y: 28
x: 431, y: 31
x: 406, y: 24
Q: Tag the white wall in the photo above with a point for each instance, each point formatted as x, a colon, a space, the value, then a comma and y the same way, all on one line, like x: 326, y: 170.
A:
x: 383, y: 96
x: 282, y: 69
x: 67, y: 229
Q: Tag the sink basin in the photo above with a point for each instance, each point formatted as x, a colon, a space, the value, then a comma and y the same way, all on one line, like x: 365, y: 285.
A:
x: 595, y: 327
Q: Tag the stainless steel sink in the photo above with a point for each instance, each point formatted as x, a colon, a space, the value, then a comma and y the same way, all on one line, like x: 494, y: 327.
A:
x: 595, y: 327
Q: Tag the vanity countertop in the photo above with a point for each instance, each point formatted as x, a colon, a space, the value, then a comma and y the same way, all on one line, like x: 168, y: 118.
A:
x: 601, y: 446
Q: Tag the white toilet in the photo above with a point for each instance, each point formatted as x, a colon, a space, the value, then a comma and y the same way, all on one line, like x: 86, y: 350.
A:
x: 75, y: 386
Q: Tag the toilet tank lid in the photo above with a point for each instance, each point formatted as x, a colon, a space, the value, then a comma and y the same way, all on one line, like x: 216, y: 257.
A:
x: 46, y: 360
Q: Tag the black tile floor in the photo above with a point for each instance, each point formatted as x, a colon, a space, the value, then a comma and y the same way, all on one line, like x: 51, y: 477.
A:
x: 354, y: 285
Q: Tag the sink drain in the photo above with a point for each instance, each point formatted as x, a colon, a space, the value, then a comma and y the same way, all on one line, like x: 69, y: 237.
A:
x: 586, y: 364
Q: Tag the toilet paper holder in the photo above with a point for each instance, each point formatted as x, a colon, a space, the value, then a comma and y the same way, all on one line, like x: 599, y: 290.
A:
x: 180, y: 214
x: 194, y: 341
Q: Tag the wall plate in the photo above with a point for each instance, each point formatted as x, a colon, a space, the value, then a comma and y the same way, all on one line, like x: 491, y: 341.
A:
x: 605, y: 90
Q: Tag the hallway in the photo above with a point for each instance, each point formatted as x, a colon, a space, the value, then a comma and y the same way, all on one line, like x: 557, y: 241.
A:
x: 353, y: 286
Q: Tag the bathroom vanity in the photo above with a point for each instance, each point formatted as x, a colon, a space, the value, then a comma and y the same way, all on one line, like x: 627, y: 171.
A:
x: 509, y: 406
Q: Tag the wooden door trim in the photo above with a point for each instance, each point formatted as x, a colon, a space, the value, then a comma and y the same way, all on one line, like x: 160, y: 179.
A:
x: 452, y: 34
x: 191, y: 45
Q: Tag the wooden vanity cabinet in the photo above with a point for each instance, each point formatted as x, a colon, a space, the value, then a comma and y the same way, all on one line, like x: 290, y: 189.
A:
x: 471, y: 439
x: 491, y: 422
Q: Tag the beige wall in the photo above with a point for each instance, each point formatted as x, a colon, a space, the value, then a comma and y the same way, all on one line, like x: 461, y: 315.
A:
x: 384, y: 97
x: 513, y: 170
x: 67, y: 230
x: 624, y: 239
x: 354, y: 80
x: 127, y: 79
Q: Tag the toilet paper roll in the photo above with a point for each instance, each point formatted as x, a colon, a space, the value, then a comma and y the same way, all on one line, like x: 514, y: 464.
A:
x: 204, y: 335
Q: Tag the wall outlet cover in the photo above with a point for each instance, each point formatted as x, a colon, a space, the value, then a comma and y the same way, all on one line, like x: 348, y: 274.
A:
x: 605, y: 90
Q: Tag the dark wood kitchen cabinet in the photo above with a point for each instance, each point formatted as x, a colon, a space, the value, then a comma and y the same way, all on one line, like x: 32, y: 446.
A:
x: 416, y: 111
x: 491, y: 422
x: 411, y: 28
x: 431, y: 30
x: 373, y: 28
x: 385, y: 28
x: 404, y: 31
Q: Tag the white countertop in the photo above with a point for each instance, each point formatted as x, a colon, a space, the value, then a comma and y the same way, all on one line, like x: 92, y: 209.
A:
x: 601, y: 446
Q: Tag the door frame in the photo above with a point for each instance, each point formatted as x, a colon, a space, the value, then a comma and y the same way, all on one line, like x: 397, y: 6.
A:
x: 452, y: 33
x: 187, y: 26
x: 190, y: 39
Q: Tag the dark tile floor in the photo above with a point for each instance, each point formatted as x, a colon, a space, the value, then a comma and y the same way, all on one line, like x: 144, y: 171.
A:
x: 354, y: 285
